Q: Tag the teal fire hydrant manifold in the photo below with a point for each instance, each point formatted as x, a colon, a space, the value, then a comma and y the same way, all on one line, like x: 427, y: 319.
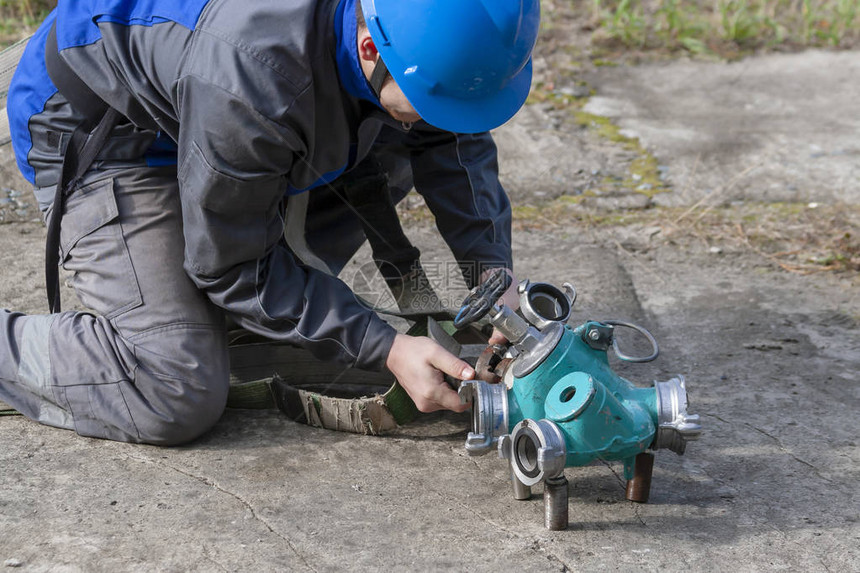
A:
x: 551, y: 401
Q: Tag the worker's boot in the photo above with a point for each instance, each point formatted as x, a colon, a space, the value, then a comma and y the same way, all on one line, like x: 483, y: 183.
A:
x: 413, y: 292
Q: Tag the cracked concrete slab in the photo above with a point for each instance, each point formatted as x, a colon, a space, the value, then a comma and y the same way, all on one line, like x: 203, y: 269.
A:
x: 771, y: 484
x: 780, y: 127
x: 771, y: 360
x: 544, y: 154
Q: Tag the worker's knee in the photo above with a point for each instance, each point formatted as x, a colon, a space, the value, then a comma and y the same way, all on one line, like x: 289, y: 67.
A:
x: 183, y: 381
x: 181, y: 419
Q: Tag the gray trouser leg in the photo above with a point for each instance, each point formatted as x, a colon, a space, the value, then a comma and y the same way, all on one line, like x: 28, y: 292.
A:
x: 151, y: 365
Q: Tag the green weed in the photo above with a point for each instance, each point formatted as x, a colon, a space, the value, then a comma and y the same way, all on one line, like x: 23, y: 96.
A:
x: 727, y: 28
x: 20, y: 18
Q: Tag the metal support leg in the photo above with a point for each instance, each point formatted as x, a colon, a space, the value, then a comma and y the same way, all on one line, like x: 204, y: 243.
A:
x: 639, y: 488
x: 521, y: 490
x: 555, y: 503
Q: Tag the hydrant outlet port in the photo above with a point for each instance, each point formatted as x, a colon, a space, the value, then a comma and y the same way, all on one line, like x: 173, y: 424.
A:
x: 675, y: 427
x: 536, y: 450
x: 489, y: 415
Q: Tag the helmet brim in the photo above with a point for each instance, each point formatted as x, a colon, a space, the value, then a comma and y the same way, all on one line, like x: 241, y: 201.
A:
x: 470, y: 115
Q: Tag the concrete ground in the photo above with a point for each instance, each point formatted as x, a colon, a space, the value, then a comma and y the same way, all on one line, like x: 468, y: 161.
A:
x: 771, y: 359
x: 781, y: 127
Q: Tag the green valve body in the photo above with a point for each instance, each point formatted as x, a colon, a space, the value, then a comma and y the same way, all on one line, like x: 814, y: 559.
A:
x: 559, y: 404
x: 600, y: 414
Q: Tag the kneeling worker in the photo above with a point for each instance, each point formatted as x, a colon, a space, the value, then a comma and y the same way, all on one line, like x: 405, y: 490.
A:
x: 169, y: 142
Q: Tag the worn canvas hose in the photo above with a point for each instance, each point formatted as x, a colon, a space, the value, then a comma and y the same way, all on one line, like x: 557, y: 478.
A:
x: 266, y: 374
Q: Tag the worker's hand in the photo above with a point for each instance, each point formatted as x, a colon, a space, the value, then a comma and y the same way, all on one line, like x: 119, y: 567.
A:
x: 510, y: 298
x: 418, y: 363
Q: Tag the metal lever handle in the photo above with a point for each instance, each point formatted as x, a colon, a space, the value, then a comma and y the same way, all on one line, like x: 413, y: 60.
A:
x: 482, y: 298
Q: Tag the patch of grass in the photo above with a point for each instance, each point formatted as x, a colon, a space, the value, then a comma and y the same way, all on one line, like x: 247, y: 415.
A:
x: 20, y: 18
x: 794, y: 237
x: 570, y: 212
x: 797, y: 237
x: 626, y: 22
x: 725, y: 28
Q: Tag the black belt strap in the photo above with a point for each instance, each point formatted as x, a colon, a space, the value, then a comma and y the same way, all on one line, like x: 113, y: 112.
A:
x: 84, y: 146
x: 82, y: 150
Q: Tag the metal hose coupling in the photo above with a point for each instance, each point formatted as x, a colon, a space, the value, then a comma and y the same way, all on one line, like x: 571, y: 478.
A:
x: 489, y: 415
x: 536, y: 450
x: 675, y: 427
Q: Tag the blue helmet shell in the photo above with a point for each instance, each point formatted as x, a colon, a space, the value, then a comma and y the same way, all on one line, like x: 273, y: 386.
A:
x: 464, y: 65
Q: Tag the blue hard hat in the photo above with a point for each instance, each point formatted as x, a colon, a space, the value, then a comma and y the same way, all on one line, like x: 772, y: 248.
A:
x: 464, y: 65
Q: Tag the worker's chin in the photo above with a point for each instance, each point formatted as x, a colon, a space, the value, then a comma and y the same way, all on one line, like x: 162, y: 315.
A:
x: 404, y: 116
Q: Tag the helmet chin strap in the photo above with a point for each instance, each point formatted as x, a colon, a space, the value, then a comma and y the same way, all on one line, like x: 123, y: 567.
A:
x: 377, y: 78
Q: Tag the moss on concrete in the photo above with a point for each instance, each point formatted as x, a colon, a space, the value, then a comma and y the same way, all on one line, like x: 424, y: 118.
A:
x: 603, y: 63
x: 643, y: 174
